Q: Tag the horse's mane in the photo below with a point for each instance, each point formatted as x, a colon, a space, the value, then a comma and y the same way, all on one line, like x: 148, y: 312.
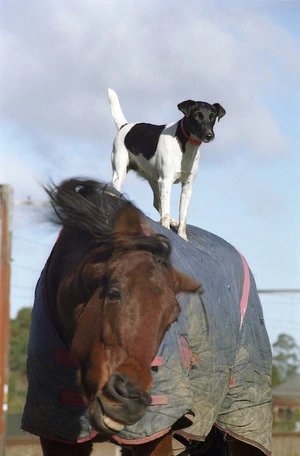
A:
x: 90, y: 207
x: 85, y: 206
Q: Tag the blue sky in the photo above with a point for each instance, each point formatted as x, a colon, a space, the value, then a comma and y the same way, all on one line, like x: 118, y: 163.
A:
x: 59, y: 57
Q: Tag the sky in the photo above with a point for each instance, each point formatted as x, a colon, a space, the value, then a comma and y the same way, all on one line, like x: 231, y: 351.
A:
x: 58, y: 59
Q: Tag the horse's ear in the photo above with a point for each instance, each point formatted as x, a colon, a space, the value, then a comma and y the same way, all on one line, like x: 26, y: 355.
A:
x: 127, y: 222
x: 183, y: 282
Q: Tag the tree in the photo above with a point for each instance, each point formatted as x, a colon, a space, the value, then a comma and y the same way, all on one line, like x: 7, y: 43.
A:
x: 286, y: 358
x: 19, y: 336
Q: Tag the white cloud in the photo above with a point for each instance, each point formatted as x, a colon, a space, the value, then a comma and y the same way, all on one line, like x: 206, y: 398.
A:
x: 19, y: 175
x: 60, y: 57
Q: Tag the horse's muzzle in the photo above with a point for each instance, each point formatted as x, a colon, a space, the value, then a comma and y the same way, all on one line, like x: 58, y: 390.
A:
x: 120, y: 404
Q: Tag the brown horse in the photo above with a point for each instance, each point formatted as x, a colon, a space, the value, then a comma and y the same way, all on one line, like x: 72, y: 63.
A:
x: 103, y: 304
x: 101, y: 363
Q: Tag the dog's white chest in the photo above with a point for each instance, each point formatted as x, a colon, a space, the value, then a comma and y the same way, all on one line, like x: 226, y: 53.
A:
x: 173, y: 162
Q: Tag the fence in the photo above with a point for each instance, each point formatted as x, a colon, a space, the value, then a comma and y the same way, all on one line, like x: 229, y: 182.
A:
x: 284, y: 444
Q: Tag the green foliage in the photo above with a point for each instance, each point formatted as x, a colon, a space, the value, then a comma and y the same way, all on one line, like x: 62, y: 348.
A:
x: 287, y: 423
x: 276, y: 380
x: 286, y: 358
x: 19, y: 335
x: 17, y: 393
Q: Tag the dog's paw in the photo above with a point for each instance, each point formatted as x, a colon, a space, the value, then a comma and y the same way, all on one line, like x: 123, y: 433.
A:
x: 165, y: 221
x: 174, y: 223
x: 182, y: 233
x: 183, y: 236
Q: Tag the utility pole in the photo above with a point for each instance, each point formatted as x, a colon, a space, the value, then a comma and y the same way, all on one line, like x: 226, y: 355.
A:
x: 5, y: 259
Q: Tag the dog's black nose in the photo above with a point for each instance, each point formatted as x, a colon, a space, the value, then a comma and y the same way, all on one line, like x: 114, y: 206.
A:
x: 208, y: 137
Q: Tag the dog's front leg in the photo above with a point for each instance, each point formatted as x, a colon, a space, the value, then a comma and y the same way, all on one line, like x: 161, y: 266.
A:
x: 164, y: 187
x: 185, y: 197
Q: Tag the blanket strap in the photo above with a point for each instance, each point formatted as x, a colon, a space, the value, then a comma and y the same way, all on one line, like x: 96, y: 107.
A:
x: 76, y: 399
x: 246, y: 289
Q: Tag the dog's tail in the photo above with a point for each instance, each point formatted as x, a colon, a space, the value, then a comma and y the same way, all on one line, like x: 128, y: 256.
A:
x: 116, y: 111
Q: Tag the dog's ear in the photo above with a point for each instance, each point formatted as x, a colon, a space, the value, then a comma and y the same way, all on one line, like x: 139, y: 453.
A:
x: 220, y: 110
x: 186, y: 106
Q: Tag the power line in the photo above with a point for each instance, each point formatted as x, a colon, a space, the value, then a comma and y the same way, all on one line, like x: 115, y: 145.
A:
x: 279, y: 291
x: 29, y: 202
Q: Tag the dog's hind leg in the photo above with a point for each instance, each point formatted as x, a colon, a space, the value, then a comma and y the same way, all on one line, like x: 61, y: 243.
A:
x: 156, y: 199
x: 120, y: 163
x: 118, y: 179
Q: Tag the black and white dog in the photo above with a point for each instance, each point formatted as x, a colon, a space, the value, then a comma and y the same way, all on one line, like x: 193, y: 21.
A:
x: 163, y: 154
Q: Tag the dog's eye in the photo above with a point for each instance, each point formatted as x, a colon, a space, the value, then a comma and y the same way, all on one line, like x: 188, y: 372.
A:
x: 212, y: 116
x: 198, y: 115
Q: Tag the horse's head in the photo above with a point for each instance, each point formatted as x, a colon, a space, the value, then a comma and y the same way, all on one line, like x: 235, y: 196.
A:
x: 115, y: 308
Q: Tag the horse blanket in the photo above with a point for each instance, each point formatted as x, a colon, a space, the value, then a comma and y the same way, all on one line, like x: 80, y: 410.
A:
x: 213, y: 366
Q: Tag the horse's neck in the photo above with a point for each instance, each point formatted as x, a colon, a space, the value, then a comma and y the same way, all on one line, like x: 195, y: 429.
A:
x: 67, y: 252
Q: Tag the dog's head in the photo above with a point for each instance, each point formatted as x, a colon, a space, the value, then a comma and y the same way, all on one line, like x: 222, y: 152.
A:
x: 200, y: 118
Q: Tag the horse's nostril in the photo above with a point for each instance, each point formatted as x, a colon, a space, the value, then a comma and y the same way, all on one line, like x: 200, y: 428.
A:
x: 119, y: 383
x: 121, y: 402
x: 119, y: 388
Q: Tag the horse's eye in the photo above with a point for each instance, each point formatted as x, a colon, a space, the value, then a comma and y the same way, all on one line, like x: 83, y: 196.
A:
x: 114, y: 293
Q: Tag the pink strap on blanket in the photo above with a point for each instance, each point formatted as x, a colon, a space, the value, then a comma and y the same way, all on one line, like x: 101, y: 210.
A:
x: 76, y: 399
x: 246, y: 289
x: 159, y: 400
x: 158, y: 361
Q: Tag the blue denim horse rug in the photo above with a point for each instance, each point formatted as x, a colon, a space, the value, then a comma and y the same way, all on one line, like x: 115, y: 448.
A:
x: 213, y: 366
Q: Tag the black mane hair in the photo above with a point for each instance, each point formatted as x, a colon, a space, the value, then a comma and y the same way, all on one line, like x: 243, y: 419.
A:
x: 85, y: 206
x: 90, y: 207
